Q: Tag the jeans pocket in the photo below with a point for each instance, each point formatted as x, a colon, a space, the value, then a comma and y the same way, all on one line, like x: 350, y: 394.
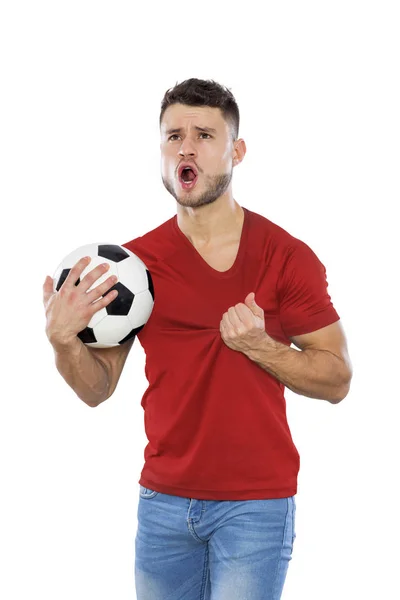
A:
x: 146, y: 492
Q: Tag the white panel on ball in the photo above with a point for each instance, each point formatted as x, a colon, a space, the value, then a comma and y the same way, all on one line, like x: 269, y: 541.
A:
x: 113, y: 329
x: 132, y: 272
x: 141, y: 308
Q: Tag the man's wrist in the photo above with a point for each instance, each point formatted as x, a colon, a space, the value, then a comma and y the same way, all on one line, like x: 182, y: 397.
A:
x: 71, y: 346
x: 265, y: 346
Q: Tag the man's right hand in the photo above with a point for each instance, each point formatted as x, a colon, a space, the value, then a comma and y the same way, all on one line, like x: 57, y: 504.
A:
x: 69, y: 310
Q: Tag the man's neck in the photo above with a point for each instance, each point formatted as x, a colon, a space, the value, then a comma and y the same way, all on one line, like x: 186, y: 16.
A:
x: 215, y: 225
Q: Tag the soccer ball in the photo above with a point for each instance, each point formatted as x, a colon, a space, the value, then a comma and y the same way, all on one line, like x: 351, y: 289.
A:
x: 127, y: 314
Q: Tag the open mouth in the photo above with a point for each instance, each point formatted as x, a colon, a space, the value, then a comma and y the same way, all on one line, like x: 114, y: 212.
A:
x: 188, y: 178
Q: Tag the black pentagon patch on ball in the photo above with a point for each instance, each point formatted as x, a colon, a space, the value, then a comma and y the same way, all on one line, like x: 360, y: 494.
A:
x: 63, y: 277
x: 87, y: 336
x: 121, y: 305
x: 112, y: 252
x: 150, y: 284
x: 131, y: 334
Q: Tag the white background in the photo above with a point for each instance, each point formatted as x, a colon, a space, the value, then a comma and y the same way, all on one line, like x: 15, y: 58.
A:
x: 82, y: 83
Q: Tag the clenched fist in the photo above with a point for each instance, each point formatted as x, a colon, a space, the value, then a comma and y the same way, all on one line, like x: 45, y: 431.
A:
x: 243, y: 325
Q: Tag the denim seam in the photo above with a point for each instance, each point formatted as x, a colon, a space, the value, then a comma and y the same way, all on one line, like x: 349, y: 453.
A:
x: 205, y: 575
x: 278, y: 564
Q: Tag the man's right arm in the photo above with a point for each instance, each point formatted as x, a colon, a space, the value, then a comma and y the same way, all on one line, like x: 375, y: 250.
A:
x: 93, y: 373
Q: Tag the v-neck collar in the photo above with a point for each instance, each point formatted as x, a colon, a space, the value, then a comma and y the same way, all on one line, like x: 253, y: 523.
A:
x: 200, y: 260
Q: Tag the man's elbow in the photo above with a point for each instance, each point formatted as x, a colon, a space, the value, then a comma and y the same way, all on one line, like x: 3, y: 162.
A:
x: 342, y: 390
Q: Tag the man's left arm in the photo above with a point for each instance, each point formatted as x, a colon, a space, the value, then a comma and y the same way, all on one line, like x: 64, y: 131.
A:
x: 321, y: 369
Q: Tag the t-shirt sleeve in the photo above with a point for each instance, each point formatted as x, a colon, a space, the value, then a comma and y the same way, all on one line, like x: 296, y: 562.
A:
x: 304, y: 302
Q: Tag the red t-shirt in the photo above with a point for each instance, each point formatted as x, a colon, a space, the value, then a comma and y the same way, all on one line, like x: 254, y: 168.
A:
x: 215, y: 420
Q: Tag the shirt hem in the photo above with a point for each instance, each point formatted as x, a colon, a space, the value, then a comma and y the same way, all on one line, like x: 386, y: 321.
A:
x: 264, y: 494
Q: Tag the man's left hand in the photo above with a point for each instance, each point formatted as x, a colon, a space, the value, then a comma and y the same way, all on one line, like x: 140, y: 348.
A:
x: 243, y: 326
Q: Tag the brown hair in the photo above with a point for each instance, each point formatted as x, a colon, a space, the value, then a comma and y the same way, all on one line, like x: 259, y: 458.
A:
x: 204, y: 92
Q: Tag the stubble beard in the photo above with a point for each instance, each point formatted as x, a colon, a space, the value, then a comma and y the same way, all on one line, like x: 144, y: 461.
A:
x: 218, y: 184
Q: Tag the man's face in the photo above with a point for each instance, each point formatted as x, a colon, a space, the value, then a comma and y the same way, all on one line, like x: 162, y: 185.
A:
x: 202, y: 139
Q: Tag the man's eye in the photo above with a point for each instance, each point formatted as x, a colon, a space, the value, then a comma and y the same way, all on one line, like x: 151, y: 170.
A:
x: 175, y: 135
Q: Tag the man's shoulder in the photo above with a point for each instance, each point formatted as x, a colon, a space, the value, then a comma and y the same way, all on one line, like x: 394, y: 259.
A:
x: 272, y: 234
x: 156, y: 244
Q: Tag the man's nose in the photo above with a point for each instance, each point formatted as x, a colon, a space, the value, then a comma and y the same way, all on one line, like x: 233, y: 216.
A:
x: 187, y: 148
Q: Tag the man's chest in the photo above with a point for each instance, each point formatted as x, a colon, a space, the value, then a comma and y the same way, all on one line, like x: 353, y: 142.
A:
x: 190, y: 297
x: 220, y: 258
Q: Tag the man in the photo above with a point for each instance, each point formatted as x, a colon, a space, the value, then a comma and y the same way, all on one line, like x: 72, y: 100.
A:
x: 233, y: 291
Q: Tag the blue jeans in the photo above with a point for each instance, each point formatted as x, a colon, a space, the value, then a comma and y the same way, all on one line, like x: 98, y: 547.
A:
x: 188, y: 549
